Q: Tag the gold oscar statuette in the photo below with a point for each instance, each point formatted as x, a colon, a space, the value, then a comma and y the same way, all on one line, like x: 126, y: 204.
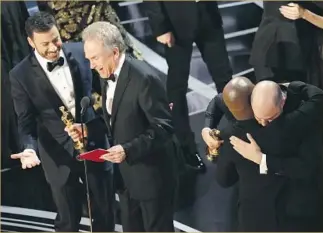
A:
x: 213, y: 153
x: 68, y: 121
x: 97, y: 101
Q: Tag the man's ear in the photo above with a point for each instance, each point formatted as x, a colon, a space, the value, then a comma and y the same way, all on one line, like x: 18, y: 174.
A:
x: 116, y: 52
x: 283, y: 101
x: 30, y: 42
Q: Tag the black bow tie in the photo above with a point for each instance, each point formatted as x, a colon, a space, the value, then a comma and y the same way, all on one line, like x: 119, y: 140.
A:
x: 112, y: 78
x: 51, y: 65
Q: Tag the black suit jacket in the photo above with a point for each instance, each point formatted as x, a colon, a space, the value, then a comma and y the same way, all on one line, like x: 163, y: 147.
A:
x: 141, y: 123
x: 39, y: 118
x: 180, y: 17
x: 291, y: 158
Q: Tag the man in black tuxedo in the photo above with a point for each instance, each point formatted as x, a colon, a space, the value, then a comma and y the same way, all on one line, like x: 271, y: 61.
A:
x: 178, y: 25
x: 138, y: 123
x: 264, y: 190
x: 52, y: 76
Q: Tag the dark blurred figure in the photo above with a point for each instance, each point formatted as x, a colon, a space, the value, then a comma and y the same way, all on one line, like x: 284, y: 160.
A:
x: 314, y: 16
x: 9, y: 130
x: 287, y: 48
x: 14, y: 48
x: 177, y: 25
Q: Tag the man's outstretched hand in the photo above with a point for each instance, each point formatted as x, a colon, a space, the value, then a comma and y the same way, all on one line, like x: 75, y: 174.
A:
x: 28, y: 158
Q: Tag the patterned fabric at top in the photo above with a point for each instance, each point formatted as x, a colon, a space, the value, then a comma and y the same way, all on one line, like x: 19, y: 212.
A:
x: 74, y: 16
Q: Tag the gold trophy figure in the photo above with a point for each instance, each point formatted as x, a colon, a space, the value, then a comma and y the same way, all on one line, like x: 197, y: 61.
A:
x: 213, y: 153
x: 97, y: 101
x: 68, y: 121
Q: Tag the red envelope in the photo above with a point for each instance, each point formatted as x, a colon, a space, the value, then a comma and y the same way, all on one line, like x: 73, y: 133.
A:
x: 93, y: 155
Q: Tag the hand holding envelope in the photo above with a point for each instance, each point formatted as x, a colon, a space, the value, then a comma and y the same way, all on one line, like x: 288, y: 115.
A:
x: 114, y: 154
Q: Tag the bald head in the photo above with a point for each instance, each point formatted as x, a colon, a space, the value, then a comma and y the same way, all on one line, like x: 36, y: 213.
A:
x: 236, y: 96
x: 267, y: 101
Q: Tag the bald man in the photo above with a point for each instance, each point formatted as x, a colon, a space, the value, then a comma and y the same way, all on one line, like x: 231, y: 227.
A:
x: 262, y: 200
x: 215, y: 111
x: 267, y: 100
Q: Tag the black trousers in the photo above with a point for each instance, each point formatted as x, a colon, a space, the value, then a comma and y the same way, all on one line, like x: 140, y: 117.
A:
x: 211, y: 43
x: 69, y: 198
x: 155, y: 215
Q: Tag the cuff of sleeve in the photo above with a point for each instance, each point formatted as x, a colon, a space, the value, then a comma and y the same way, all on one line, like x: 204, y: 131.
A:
x: 30, y: 151
x: 263, y: 169
x: 126, y: 147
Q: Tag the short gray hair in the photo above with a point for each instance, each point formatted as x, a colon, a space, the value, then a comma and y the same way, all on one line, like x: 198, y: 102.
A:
x: 106, y: 32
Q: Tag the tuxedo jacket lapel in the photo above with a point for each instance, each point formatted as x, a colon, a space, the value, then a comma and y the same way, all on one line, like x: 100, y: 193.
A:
x: 42, y: 80
x: 106, y: 115
x: 77, y: 82
x: 122, y: 83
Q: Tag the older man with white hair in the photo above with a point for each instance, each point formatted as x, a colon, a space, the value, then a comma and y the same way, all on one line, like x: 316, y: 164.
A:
x: 137, y: 121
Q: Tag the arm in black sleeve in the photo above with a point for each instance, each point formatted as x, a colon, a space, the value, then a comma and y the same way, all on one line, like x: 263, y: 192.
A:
x: 214, y: 112
x: 158, y: 18
x: 26, y: 114
x: 310, y: 112
x: 154, y: 104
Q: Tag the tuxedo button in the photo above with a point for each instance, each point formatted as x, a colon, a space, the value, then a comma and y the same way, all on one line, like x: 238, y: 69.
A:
x: 279, y: 173
x: 91, y: 143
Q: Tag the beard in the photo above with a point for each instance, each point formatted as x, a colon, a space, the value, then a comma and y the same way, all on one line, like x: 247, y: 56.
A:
x: 50, y: 55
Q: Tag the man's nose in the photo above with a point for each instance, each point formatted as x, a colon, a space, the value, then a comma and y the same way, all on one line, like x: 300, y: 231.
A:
x: 92, y: 65
x: 53, y: 48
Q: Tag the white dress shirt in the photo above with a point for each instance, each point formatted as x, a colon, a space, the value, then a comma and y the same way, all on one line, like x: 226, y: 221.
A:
x: 61, y: 80
x: 112, y: 85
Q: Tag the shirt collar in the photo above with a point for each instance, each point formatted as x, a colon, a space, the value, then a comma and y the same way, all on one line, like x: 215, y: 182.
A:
x: 43, y: 61
x: 119, y: 67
